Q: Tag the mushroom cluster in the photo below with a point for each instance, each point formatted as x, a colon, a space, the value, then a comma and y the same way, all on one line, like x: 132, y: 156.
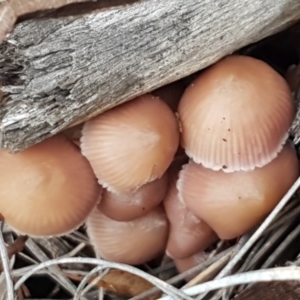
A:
x: 235, y: 119
x: 147, y: 180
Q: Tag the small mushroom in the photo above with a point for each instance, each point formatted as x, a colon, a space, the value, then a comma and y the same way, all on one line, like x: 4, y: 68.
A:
x: 188, y: 234
x: 236, y: 115
x: 48, y: 189
x: 232, y: 203
x: 136, y: 203
x: 131, y: 144
x: 187, y: 263
x: 134, y: 242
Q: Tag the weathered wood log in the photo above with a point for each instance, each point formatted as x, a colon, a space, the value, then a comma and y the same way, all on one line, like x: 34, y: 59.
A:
x: 10, y: 10
x: 56, y: 72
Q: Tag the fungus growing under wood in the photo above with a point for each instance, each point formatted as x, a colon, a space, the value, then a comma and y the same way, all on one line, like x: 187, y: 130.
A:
x: 232, y: 203
x: 188, y: 234
x: 132, y: 144
x: 135, y: 203
x: 236, y: 115
x: 134, y: 242
x: 48, y: 189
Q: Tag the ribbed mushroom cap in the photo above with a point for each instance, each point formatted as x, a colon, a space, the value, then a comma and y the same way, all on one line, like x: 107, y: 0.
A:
x: 188, y: 234
x: 232, y: 203
x: 131, y: 144
x: 48, y: 189
x: 136, y: 203
x: 134, y: 242
x: 236, y: 115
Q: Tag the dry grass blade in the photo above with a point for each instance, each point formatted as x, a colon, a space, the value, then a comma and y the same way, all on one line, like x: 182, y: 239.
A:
x: 54, y: 272
x: 266, y: 246
x: 6, y: 267
x: 16, y: 247
x: 238, y: 246
x: 276, y: 274
x: 191, y: 272
x: 248, y: 262
x: 211, y: 271
x: 75, y: 251
x: 165, y: 287
x: 282, y: 247
x: 284, y: 218
x: 94, y: 283
x: 86, y: 279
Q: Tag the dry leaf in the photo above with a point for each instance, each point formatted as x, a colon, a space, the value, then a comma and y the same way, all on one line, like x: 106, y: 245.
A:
x: 122, y: 283
x: 125, y: 284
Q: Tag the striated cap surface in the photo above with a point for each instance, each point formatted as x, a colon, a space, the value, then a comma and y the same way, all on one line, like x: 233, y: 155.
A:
x: 236, y: 115
x: 232, y: 203
x: 48, y: 189
x: 131, y: 144
x: 134, y: 242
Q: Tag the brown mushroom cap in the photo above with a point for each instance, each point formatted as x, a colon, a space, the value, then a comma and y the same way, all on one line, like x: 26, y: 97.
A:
x: 131, y: 144
x: 188, y: 234
x: 136, y: 203
x: 47, y: 189
x: 187, y: 263
x: 232, y: 203
x: 134, y: 242
x: 235, y: 115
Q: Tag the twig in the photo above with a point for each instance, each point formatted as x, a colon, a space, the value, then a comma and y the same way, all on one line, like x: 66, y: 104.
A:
x: 217, y: 249
x: 285, y: 217
x: 276, y: 274
x: 54, y: 272
x: 87, y: 277
x: 77, y: 236
x: 237, y: 248
x: 167, y: 288
x: 248, y: 262
x: 163, y: 268
x: 17, y: 246
x: 279, y: 250
x: 211, y: 270
x: 75, y: 251
x: 265, y: 247
x: 6, y: 268
x: 12, y: 9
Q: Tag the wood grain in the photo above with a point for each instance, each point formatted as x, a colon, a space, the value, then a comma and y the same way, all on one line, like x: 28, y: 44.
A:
x: 10, y: 10
x: 59, y: 71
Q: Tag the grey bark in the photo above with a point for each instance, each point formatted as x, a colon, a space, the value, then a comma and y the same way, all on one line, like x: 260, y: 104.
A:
x: 57, y: 72
x: 10, y: 10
